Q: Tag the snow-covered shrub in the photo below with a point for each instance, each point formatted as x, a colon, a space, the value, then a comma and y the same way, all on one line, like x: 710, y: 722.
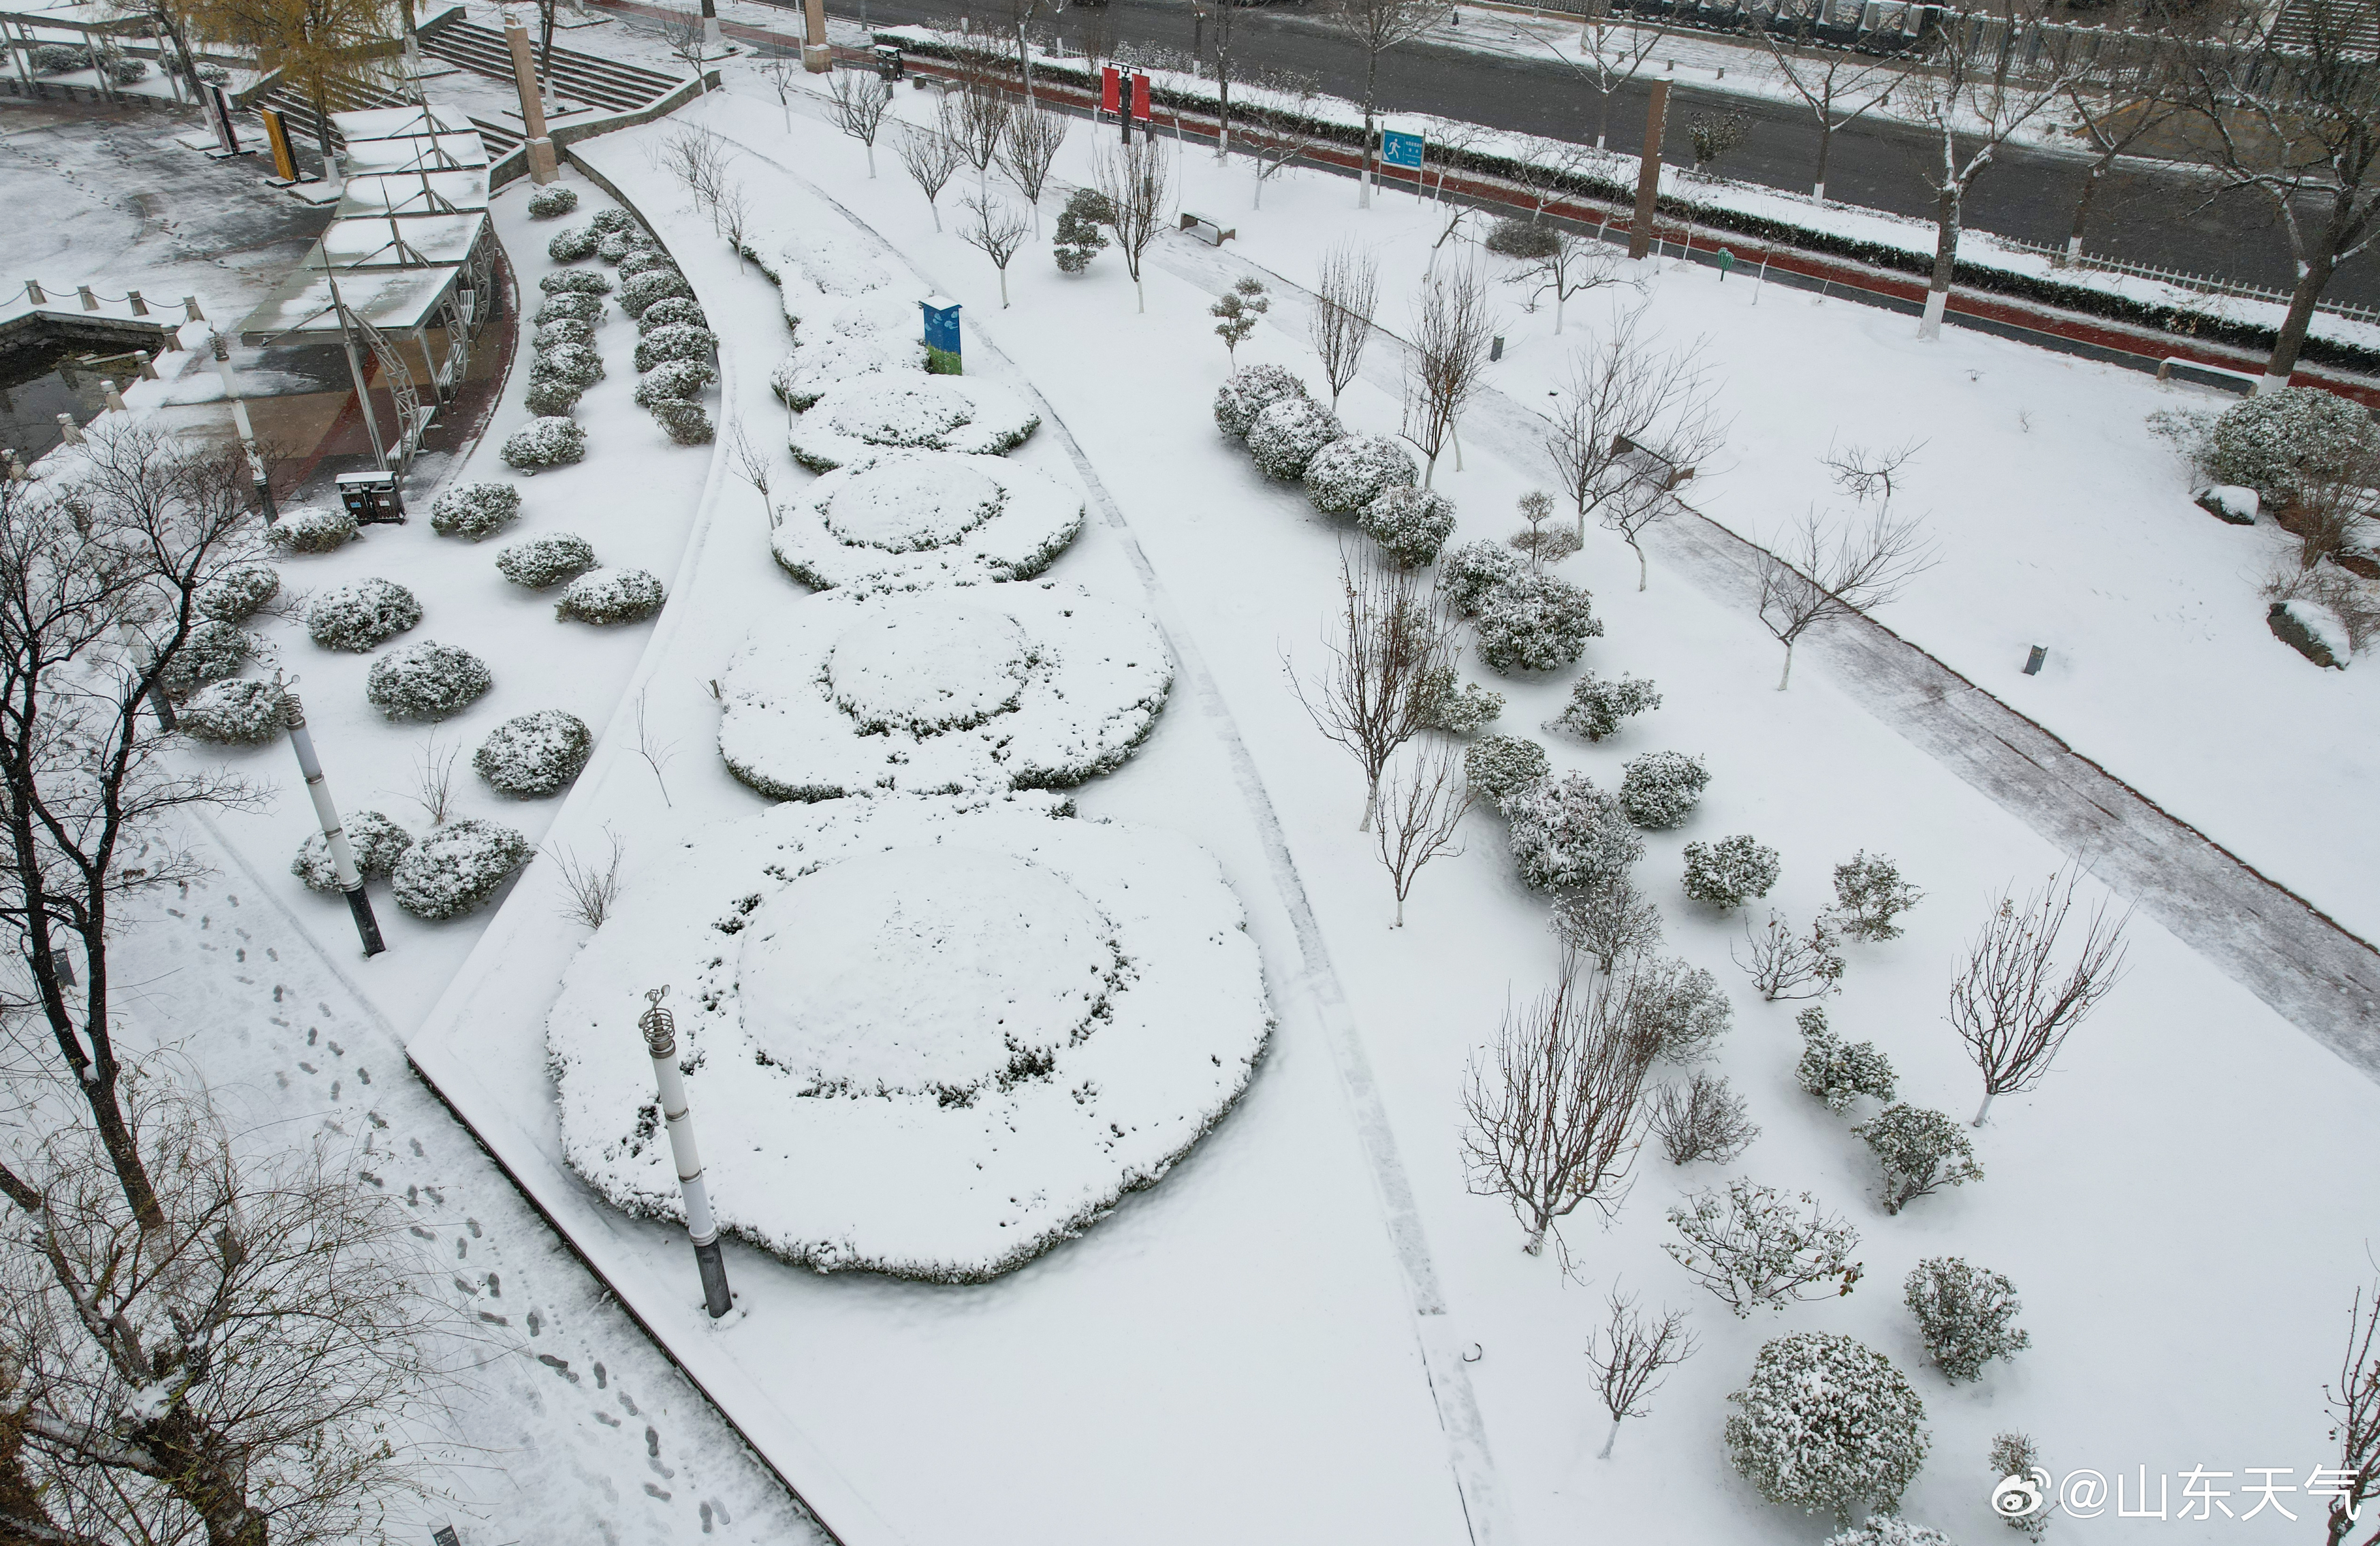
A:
x: 311, y: 530
x: 575, y: 306
x: 674, y: 312
x: 1535, y: 622
x: 1838, y: 1073
x: 550, y: 440
x: 210, y: 651
x: 686, y: 423
x: 457, y: 867
x: 1286, y: 436
x: 583, y: 281
x: 836, y: 361
x: 565, y: 330
x: 475, y: 510
x: 1785, y: 964
x: 1891, y: 1529
x: 570, y: 245
x: 678, y: 342
x: 360, y: 616
x: 2021, y: 1505
x: 926, y: 413
x: 1410, y: 525
x: 533, y: 755
x: 235, y: 595
x: 1248, y: 391
x: 1921, y: 1150
x: 378, y: 843
x: 1515, y: 237
x: 952, y: 688
x: 1502, y: 765
x: 1827, y: 1423
x: 612, y: 223
x: 550, y: 398
x: 1702, y: 1120
x: 1597, y: 705
x: 1660, y: 789
x: 966, y: 1027
x: 614, y: 246
x: 651, y: 285
x: 608, y: 596
x: 1966, y: 1316
x: 1079, y: 237
x: 214, y: 74
x: 1869, y: 894
x: 910, y: 518
x: 573, y: 363
x: 1473, y: 572
x: 552, y: 201
x: 1754, y: 1246
x: 425, y: 680
x: 1456, y: 706
x: 1350, y: 473
x: 1731, y: 872
x: 645, y: 259
x: 675, y: 377
x: 127, y: 72
x: 543, y: 561
x: 60, y: 58
x: 236, y: 713
x: 1566, y: 832
x: 1678, y: 1008
x: 2280, y: 442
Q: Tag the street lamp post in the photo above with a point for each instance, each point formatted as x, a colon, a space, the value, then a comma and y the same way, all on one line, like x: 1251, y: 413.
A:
x: 222, y: 349
x: 326, y: 811
x: 661, y: 1041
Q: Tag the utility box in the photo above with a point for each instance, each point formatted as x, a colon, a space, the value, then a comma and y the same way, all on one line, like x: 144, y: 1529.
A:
x: 889, y: 63
x: 941, y: 336
x: 372, y: 497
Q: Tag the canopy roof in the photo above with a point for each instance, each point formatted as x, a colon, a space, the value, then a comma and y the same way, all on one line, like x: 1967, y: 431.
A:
x: 442, y: 153
x: 81, y: 18
x: 401, y: 123
x: 397, y: 242
x: 414, y: 193
x: 299, y: 309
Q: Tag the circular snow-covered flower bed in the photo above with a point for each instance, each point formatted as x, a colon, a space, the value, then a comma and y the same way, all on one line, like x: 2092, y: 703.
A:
x: 908, y: 518
x: 814, y: 370
x: 923, y: 1037
x: 1026, y: 686
x: 926, y: 413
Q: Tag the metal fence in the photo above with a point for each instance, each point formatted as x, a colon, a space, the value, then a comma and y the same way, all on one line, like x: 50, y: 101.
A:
x: 2202, y: 284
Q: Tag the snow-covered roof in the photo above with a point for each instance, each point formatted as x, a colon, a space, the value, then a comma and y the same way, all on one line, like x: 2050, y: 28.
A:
x: 425, y: 152
x: 75, y: 19
x: 397, y: 241
x: 414, y: 193
x: 401, y: 123
x: 299, y: 309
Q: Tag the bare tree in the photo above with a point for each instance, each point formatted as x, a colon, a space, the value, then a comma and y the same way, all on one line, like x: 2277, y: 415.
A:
x: 1280, y: 125
x: 1451, y: 329
x: 1378, y: 691
x: 861, y: 105
x: 1017, y: 16
x: 1221, y: 17
x: 2299, y: 129
x: 752, y: 464
x: 997, y: 233
x: 656, y: 752
x: 1871, y: 477
x: 1819, y: 574
x: 1607, y: 57
x: 119, y: 538
x: 1701, y: 1120
x: 1631, y: 423
x: 2115, y: 119
x: 734, y: 215
x: 1629, y: 1354
x: 1572, y: 266
x: 682, y: 34
x: 1347, y: 298
x: 1377, y: 26
x: 253, y: 1360
x: 1422, y: 802
x: 1137, y: 182
x: 2019, y: 995
x: 698, y: 159
x: 593, y: 885
x: 1789, y: 965
x: 1555, y: 1115
x: 980, y: 128
x: 930, y: 156
x: 1028, y: 153
x: 434, y: 781
x: 780, y: 71
x: 1837, y: 86
x: 1608, y: 923
x: 2354, y: 1407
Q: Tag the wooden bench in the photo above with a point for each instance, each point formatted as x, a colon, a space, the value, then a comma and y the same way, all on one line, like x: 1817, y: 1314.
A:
x: 1212, y: 231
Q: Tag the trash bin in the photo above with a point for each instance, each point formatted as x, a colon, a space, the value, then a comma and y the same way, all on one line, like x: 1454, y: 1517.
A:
x: 371, y: 497
x: 889, y: 65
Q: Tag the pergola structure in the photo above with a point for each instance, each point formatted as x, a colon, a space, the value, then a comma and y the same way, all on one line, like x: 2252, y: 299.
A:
x: 83, y: 19
x: 409, y: 253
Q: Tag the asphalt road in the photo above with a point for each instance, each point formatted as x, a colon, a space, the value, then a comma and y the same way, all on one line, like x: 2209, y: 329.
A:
x: 2150, y: 215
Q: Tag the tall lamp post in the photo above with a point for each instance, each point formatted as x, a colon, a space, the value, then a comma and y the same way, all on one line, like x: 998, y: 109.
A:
x: 661, y: 1041
x: 326, y: 811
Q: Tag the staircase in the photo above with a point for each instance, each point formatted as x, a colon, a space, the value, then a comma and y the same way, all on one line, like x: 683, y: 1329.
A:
x: 297, y: 111
x: 605, y: 84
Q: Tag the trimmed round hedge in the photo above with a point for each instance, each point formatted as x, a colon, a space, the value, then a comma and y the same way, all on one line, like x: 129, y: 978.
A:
x: 378, y: 843
x: 568, y: 246
x: 551, y: 203
x: 534, y: 755
x: 425, y: 680
x: 674, y: 312
x: 681, y: 342
x: 1348, y: 474
x: 550, y: 440
x: 1250, y: 392
x: 611, y: 222
x: 549, y: 398
x: 686, y: 423
x: 457, y: 868
x: 584, y: 281
x: 544, y: 561
x: 311, y: 531
x: 475, y: 510
x: 236, y: 713
x: 1410, y: 525
x: 211, y: 651
x: 235, y: 595
x: 361, y: 616
x: 573, y: 363
x: 562, y: 330
x: 654, y: 285
x: 578, y: 308
x: 611, y: 596
x: 645, y: 259
x: 1287, y: 436
x: 674, y: 379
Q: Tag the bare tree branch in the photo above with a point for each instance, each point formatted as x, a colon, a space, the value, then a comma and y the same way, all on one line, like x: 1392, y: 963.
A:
x: 2020, y: 995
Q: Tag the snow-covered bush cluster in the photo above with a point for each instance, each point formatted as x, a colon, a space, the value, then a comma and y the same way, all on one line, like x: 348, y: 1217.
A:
x: 210, y: 651
x: 643, y: 255
x: 684, y: 341
x: 1836, y: 1072
x: 1455, y: 706
x: 612, y: 223
x: 475, y: 510
x: 311, y: 530
x: 1468, y: 574
x: 551, y: 203
x: 984, y: 687
x: 610, y: 596
x: 1920, y: 1152
x: 457, y: 868
x: 378, y: 843
x: 563, y: 330
x: 851, y: 320
x: 570, y: 305
x: 1597, y: 705
x: 1731, y: 872
x: 570, y: 245
x: 930, y: 1038
x: 914, y: 518
x: 1411, y: 524
x: 550, y: 398
x: 534, y: 755
x: 1350, y: 474
x: 2278, y: 444
x: 574, y: 365
x: 1678, y: 1009
x: 1248, y: 391
x: 425, y: 680
x: 1660, y: 789
x: 1827, y: 1423
x: 238, y: 593
x: 361, y: 616
x: 671, y: 313
x: 929, y: 413
x: 1966, y: 1316
x: 1502, y: 765
x: 542, y: 562
x: 1535, y: 621
x: 684, y: 421
x: 653, y: 284
x: 236, y: 713
x: 584, y: 281
x: 674, y: 379
x: 1568, y: 833
x: 547, y: 441
x: 1286, y: 436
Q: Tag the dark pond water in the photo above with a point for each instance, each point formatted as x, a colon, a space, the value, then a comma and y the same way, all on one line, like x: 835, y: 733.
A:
x: 42, y: 380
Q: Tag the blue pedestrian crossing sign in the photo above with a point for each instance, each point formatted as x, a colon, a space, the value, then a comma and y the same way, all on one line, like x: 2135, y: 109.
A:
x: 1399, y: 149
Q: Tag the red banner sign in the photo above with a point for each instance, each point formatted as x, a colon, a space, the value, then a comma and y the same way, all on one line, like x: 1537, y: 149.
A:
x: 1140, y: 97
x: 1108, y: 94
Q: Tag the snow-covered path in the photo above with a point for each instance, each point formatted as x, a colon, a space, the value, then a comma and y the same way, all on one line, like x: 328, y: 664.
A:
x: 2265, y: 938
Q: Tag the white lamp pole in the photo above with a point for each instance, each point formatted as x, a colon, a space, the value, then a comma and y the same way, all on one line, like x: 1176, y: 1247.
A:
x: 326, y: 811
x: 661, y: 1041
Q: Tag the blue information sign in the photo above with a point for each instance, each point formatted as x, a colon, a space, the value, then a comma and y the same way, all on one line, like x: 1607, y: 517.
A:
x: 941, y: 335
x: 1397, y: 149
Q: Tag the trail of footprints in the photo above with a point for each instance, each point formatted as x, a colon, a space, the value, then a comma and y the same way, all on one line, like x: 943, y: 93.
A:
x: 533, y: 1309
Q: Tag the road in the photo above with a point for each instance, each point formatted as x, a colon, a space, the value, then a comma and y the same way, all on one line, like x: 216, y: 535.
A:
x: 2146, y: 214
